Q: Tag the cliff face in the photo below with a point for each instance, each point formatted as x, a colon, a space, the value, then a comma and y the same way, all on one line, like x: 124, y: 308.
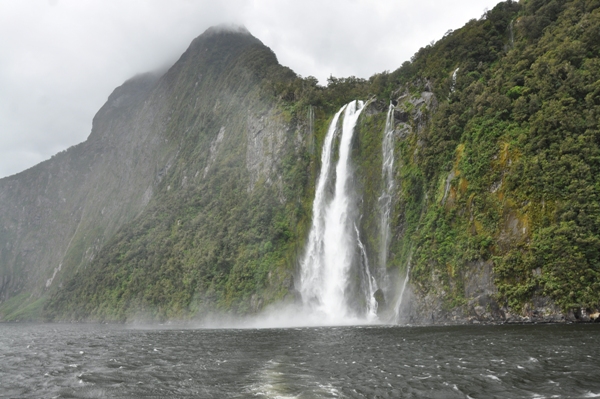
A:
x: 194, y: 191
x: 201, y: 240
x: 155, y: 136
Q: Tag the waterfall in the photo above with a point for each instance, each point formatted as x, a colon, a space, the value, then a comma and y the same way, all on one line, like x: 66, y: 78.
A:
x: 371, y: 284
x: 387, y: 177
x: 332, y: 241
x: 385, y: 201
x: 454, y: 80
x: 398, y: 305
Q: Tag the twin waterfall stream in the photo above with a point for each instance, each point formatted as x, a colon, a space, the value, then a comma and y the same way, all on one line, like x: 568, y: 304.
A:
x: 337, y: 283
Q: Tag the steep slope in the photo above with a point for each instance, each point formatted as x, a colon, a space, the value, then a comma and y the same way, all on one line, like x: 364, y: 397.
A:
x: 213, y: 235
x: 495, y: 204
x: 498, y: 204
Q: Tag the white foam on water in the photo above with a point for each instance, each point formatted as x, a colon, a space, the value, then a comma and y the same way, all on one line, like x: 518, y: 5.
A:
x: 493, y: 377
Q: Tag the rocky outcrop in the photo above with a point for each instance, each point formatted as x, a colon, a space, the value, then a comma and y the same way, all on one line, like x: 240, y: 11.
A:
x: 266, y: 145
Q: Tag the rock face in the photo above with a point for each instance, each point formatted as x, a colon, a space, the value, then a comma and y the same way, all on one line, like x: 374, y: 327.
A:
x: 265, y: 147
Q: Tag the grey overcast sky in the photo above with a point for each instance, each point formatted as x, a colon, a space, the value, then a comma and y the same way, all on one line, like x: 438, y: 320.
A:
x: 60, y: 59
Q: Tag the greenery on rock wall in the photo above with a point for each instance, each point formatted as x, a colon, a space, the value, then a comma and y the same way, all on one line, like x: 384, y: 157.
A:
x: 517, y: 140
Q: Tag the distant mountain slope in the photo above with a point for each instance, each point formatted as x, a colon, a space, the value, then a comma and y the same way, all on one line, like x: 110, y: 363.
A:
x: 55, y: 216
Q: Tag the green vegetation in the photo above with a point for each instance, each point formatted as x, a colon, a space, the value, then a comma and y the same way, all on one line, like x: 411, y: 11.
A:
x: 519, y: 133
x: 32, y: 311
x: 213, y: 241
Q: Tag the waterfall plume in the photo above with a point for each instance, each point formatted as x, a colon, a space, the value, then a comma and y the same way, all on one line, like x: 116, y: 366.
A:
x: 333, y: 244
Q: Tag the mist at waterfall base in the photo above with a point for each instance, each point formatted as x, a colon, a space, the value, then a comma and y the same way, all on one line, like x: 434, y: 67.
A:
x: 116, y: 361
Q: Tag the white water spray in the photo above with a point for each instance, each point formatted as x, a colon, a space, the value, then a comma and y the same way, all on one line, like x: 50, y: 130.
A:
x: 332, y: 241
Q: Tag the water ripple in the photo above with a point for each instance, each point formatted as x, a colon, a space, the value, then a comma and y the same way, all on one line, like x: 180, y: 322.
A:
x: 86, y: 361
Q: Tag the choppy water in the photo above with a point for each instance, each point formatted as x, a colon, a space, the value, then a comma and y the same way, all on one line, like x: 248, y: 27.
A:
x: 86, y: 361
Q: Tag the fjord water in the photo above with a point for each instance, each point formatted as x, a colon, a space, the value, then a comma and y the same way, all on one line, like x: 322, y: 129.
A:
x: 104, y: 361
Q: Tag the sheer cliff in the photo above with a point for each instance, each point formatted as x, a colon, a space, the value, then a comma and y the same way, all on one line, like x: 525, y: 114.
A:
x: 157, y: 140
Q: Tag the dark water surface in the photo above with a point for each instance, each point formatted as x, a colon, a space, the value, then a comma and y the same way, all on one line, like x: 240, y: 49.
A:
x: 87, y: 361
